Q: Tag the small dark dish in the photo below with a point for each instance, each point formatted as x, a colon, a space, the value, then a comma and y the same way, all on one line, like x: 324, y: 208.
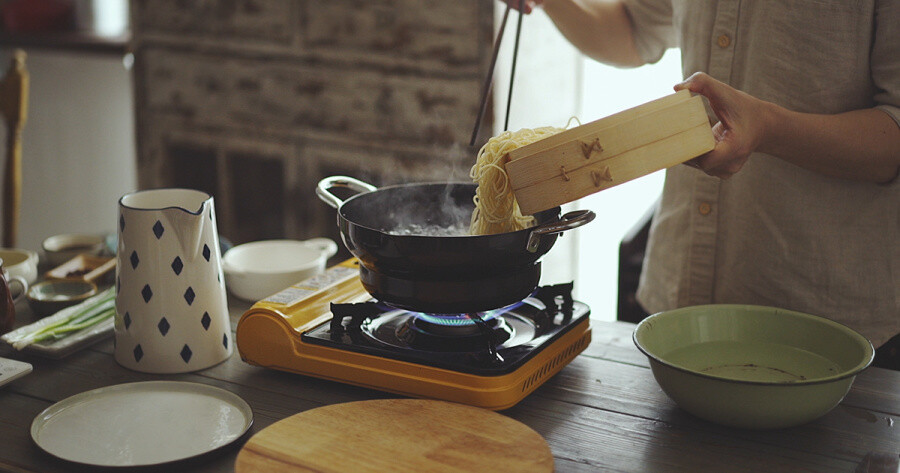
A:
x: 49, y: 297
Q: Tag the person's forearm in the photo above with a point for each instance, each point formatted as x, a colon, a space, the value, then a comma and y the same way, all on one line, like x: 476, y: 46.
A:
x: 602, y: 30
x: 860, y: 145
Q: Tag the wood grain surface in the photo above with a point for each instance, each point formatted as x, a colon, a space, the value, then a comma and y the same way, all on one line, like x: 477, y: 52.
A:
x: 602, y: 412
x: 396, y: 435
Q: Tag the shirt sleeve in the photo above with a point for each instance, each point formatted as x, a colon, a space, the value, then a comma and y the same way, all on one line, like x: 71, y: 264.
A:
x: 885, y: 58
x: 652, y: 26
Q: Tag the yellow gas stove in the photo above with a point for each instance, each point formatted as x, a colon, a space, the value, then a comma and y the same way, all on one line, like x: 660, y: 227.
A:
x: 329, y: 327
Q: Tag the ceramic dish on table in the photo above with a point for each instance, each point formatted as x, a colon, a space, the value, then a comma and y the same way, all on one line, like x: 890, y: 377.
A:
x: 752, y: 366
x: 49, y: 297
x: 57, y: 349
x: 165, y: 422
x: 20, y: 262
x: 84, y: 268
x: 61, y: 248
x: 259, y: 269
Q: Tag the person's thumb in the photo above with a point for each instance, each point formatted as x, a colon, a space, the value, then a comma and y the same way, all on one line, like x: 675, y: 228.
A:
x: 700, y: 83
x: 716, y: 92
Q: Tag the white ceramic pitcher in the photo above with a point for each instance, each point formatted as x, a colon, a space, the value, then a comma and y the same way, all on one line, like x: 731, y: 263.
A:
x: 171, y: 307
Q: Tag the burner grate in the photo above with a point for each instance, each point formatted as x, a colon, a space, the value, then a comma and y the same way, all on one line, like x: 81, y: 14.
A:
x: 492, y: 342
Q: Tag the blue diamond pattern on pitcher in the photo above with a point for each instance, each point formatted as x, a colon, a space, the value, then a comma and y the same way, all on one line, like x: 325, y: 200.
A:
x: 127, y: 320
x: 205, y: 321
x: 134, y: 260
x: 186, y: 353
x: 138, y: 353
x: 163, y: 326
x: 147, y: 293
x: 206, y: 252
x: 121, y: 223
x: 189, y: 295
x: 158, y: 229
x: 225, y: 340
x: 177, y: 265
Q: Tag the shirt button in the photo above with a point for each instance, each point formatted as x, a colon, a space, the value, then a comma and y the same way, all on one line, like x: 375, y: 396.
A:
x: 704, y: 208
x: 723, y: 41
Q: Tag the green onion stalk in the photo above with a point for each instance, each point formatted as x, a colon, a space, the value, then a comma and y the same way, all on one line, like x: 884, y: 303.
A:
x: 86, y: 315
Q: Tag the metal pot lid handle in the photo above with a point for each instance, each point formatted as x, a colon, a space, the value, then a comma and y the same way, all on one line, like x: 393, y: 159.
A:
x: 568, y: 221
x: 323, y: 190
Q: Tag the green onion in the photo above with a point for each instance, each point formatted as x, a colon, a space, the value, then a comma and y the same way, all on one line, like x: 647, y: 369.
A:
x: 86, y: 314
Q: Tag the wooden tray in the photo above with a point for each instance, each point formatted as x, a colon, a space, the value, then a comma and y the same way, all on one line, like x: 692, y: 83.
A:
x: 609, y: 151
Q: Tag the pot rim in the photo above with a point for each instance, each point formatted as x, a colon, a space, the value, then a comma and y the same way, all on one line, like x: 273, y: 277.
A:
x: 342, y: 213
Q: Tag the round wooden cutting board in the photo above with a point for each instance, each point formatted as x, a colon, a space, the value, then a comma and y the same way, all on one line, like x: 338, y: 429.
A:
x: 396, y: 435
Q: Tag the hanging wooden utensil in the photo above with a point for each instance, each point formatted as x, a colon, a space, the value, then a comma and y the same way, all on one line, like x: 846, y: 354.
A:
x: 609, y: 151
x: 13, y: 108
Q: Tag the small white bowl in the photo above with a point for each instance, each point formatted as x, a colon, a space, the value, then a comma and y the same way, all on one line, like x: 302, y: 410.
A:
x: 20, y: 262
x: 61, y: 248
x: 259, y: 269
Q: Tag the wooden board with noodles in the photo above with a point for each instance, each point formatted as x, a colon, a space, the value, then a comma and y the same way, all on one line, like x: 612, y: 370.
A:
x: 496, y: 210
x: 547, y: 167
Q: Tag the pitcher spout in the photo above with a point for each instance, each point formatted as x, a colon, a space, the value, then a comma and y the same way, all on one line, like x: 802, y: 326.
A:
x: 183, y: 213
x: 192, y: 229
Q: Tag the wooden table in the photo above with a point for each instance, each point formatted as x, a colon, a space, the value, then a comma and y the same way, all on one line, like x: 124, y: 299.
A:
x: 602, y: 412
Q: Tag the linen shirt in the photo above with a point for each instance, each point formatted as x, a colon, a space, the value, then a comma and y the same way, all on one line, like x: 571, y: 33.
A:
x: 776, y: 234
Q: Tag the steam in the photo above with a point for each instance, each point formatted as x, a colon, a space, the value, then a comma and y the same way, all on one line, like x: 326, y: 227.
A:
x: 438, y: 210
x: 445, y: 211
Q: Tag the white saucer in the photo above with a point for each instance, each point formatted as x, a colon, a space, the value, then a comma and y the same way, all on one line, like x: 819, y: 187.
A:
x: 141, y: 424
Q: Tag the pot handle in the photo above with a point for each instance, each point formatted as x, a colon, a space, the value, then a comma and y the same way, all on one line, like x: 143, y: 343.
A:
x: 323, y: 190
x: 568, y: 221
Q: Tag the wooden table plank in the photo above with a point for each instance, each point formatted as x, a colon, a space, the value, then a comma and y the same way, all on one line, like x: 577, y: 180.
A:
x: 19, y: 452
x: 602, y: 412
x: 612, y: 441
x: 847, y: 433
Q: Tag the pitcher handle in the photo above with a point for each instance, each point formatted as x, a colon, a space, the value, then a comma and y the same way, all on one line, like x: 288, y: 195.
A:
x: 323, y: 190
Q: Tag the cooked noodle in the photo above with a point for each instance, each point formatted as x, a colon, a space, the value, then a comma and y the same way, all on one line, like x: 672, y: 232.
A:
x: 496, y: 210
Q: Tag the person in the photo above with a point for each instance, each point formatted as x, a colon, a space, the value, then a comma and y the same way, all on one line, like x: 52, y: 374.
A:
x: 798, y: 205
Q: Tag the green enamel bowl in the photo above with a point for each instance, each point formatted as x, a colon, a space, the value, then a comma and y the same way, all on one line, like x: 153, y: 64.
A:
x: 751, y: 366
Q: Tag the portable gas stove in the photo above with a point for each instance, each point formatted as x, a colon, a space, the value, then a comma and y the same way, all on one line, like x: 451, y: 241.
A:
x: 329, y: 327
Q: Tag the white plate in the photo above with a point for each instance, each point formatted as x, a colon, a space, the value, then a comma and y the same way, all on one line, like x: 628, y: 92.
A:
x: 141, y: 424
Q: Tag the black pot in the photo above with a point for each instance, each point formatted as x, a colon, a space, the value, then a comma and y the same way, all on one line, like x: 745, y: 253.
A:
x: 396, y: 266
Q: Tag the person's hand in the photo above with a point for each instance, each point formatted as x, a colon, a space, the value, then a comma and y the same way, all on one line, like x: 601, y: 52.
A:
x: 527, y: 7
x: 740, y: 128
